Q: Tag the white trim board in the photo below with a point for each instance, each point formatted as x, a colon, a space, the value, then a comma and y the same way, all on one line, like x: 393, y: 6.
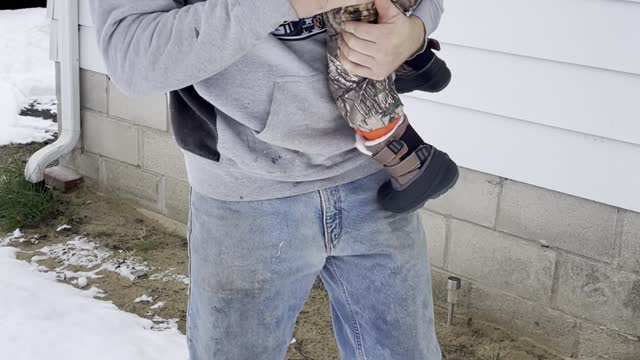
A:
x: 84, y: 16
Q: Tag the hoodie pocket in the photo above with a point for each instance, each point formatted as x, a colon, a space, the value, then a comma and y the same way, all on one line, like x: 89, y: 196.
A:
x: 304, y: 117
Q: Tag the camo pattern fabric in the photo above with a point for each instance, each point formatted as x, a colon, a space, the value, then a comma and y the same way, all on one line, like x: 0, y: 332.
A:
x: 365, y: 103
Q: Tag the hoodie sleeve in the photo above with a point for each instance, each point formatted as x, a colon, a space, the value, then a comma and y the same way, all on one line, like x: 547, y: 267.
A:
x: 155, y: 46
x: 430, y: 12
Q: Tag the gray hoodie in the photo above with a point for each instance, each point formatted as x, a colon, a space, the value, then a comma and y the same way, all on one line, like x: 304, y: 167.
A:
x: 248, y: 88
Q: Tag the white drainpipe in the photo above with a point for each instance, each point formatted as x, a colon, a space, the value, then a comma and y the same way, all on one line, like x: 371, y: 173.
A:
x: 70, y: 93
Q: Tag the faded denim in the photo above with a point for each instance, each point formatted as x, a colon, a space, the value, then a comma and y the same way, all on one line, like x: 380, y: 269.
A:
x: 253, y: 264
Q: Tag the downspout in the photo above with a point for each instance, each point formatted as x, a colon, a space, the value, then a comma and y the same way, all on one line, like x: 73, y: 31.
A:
x: 68, y: 33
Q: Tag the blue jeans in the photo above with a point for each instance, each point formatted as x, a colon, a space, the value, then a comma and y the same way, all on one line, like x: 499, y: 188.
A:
x: 253, y: 264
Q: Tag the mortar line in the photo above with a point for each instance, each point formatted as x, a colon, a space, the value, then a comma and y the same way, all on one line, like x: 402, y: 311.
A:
x: 617, y: 233
x: 140, y: 136
x: 535, y: 243
x: 499, y: 202
x: 447, y: 242
x: 108, y: 93
x: 162, y: 196
x: 555, y: 280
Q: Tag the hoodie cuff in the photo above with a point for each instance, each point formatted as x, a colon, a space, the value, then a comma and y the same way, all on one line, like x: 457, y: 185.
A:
x: 430, y: 12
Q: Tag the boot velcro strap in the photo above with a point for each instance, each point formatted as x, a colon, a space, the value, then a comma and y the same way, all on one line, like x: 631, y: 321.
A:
x: 406, y: 169
x: 389, y: 157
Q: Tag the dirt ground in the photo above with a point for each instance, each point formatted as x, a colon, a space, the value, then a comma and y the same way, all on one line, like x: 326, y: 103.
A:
x: 130, y: 236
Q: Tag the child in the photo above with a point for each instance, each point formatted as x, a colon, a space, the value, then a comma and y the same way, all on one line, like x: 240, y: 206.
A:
x: 419, y: 171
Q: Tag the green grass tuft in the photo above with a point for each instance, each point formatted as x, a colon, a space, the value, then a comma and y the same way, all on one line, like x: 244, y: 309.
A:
x: 22, y: 204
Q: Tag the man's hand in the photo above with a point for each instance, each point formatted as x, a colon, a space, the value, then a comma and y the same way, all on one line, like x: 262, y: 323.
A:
x: 376, y: 50
x: 307, y: 8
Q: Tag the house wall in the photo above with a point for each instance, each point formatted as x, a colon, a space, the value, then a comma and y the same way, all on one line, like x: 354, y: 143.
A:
x: 542, y: 115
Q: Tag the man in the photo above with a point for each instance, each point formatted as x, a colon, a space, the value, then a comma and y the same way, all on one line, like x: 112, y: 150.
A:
x: 279, y: 193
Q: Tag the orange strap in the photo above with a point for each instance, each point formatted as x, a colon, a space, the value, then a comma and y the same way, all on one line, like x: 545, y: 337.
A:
x: 378, y: 133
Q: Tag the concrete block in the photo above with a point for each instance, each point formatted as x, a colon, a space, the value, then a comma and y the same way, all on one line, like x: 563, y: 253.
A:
x: 474, y: 198
x: 601, y: 343
x: 630, y: 241
x: 176, y: 199
x: 501, y: 261
x: 578, y: 225
x: 93, y: 91
x: 435, y: 227
x: 131, y: 182
x: 162, y: 155
x: 538, y: 323
x: 149, y: 111
x: 111, y: 138
x: 599, y: 293
x: 87, y: 165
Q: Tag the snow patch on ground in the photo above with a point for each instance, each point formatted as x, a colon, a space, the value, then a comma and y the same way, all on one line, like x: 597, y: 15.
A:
x: 84, y: 253
x: 168, y: 275
x: 17, y: 237
x: 26, y: 73
x: 128, y: 268
x: 157, y: 305
x: 160, y: 324
x: 143, y: 298
x: 45, y: 103
x: 81, y: 252
x: 77, y: 252
x: 44, y: 319
x: 63, y: 227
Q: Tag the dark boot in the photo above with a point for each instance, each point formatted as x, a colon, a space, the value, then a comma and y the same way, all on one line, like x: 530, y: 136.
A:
x: 425, y: 72
x: 417, y: 175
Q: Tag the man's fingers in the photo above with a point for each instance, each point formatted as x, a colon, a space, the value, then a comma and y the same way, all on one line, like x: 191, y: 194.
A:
x: 354, y: 55
x: 364, y: 46
x: 353, y: 68
x: 365, y: 31
x: 333, y: 4
x: 306, y: 8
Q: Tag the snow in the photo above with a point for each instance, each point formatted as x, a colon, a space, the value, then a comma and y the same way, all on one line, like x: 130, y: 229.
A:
x: 77, y: 252
x: 16, y: 236
x: 85, y: 253
x: 26, y: 75
x: 63, y: 227
x: 143, y: 298
x: 44, y: 319
x: 128, y: 268
x: 168, y: 275
x: 157, y: 305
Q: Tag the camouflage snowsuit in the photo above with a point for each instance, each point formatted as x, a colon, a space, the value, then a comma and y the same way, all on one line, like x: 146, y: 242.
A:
x: 366, y: 104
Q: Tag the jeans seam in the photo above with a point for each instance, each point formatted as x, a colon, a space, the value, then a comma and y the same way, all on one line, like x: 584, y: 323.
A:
x: 323, y: 206
x: 354, y: 324
x: 337, y: 217
x: 189, y: 230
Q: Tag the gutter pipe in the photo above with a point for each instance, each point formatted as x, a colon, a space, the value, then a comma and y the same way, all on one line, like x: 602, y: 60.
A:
x: 69, y: 96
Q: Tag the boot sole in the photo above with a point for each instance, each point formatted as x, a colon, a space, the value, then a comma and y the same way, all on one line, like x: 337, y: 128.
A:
x: 421, y: 190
